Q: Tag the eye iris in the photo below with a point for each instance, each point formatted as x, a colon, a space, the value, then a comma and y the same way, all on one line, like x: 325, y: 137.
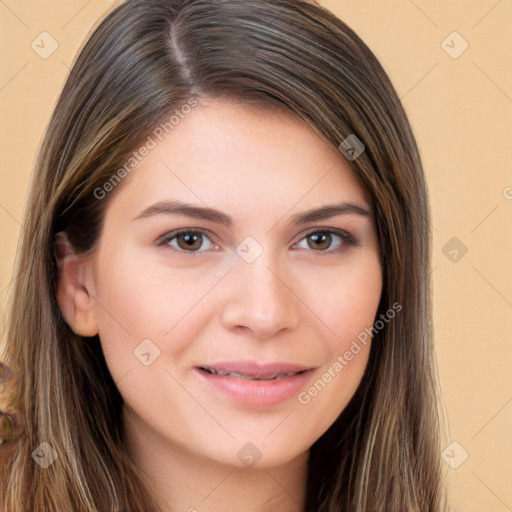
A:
x: 190, y: 240
x: 317, y: 239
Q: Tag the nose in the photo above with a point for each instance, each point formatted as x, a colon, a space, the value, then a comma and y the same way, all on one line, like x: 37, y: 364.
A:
x: 259, y: 298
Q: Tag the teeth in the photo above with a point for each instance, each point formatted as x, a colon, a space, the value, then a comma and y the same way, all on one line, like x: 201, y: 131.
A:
x: 248, y: 377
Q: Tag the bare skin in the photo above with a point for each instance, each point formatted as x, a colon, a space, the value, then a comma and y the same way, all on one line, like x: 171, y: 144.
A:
x: 202, y: 448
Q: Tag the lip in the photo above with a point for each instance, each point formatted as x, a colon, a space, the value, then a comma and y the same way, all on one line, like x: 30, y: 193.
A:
x: 261, y: 393
x: 255, y: 368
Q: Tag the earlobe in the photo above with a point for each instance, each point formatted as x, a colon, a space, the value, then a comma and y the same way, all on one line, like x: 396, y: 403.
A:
x: 73, y: 288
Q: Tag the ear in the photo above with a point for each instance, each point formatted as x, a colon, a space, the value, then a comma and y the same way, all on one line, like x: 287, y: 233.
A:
x: 74, y: 284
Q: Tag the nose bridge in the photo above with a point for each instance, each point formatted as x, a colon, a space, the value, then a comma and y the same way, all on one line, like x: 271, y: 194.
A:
x: 265, y: 280
x: 259, y: 297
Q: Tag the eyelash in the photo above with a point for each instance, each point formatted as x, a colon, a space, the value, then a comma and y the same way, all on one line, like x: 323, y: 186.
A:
x: 346, y: 239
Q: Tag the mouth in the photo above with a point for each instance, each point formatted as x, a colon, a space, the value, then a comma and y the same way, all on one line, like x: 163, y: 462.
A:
x: 252, y: 383
x: 271, y: 376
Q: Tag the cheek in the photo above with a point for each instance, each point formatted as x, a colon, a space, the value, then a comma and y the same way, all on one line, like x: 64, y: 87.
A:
x: 349, y: 300
x: 350, y: 309
x: 350, y: 313
x: 138, y: 300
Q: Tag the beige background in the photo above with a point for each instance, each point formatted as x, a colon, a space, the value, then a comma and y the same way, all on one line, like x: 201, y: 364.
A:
x: 461, y: 112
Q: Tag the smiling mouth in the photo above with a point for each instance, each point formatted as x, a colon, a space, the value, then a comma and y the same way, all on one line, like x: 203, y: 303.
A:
x: 275, y: 376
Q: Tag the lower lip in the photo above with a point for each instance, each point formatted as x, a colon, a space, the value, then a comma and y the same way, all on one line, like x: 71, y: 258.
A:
x: 257, y: 392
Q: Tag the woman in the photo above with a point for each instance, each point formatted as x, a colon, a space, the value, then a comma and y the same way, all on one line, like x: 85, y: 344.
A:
x: 222, y: 298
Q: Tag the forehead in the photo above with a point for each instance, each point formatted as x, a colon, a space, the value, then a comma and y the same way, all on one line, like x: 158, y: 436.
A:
x: 230, y: 154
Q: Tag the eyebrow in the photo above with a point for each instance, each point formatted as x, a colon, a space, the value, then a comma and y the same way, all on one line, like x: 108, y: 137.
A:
x: 210, y: 214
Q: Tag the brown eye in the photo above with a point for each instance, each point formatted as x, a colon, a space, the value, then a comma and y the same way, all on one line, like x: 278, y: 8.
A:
x: 320, y: 241
x: 187, y: 241
x: 328, y: 240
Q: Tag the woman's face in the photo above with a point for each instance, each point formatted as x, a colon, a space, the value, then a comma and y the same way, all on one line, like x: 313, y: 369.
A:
x: 264, y: 296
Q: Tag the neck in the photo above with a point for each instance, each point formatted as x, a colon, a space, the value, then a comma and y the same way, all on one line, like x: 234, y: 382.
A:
x: 186, y: 482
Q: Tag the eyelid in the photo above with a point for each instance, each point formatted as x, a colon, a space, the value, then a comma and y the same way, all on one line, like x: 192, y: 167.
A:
x: 346, y: 236
x: 170, y: 235
x: 343, y: 233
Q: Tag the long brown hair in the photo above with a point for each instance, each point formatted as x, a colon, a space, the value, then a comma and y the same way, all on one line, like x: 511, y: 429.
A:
x: 145, y: 60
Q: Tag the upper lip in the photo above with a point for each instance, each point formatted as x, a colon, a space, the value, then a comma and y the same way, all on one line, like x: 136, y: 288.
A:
x: 255, y: 368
